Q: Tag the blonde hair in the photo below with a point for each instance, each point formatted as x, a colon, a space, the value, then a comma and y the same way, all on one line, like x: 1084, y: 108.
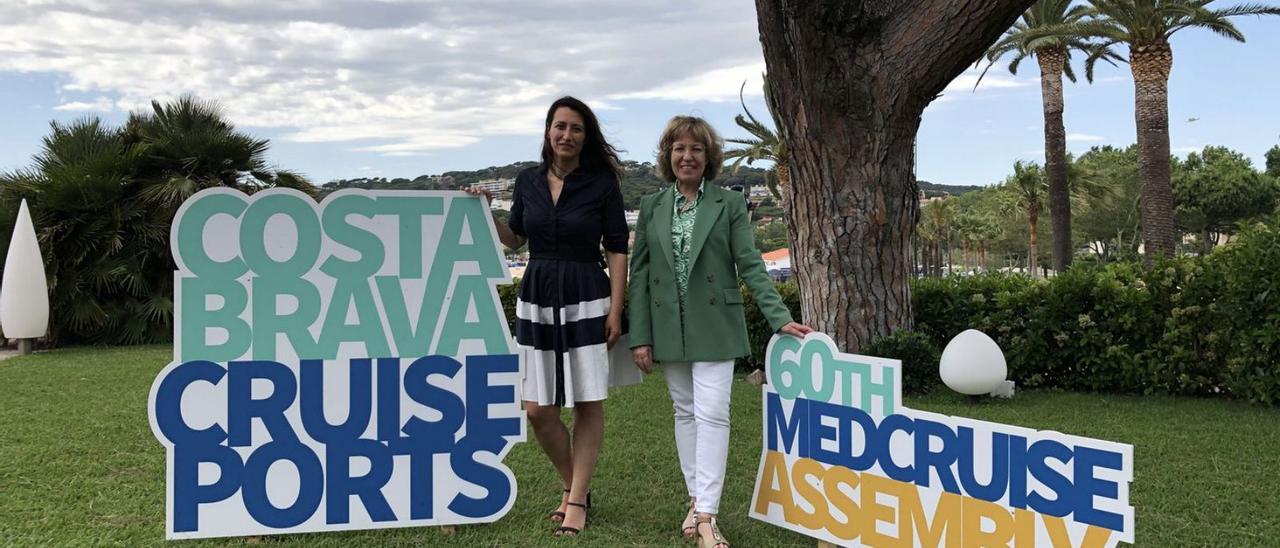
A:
x: 699, y: 130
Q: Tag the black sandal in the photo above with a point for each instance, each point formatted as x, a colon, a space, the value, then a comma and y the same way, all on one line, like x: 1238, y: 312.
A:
x: 558, y: 516
x: 563, y: 531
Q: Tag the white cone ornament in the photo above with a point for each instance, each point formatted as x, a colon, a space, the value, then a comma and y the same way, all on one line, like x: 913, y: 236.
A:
x: 972, y: 363
x: 24, y: 294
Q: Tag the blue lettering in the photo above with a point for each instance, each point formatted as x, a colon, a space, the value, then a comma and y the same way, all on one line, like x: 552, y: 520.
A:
x: 242, y: 408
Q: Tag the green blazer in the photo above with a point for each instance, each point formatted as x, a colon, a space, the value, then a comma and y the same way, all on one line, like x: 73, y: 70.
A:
x: 723, y: 251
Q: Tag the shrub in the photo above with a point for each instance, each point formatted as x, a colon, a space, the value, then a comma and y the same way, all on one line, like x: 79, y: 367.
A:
x: 1195, y: 326
x: 507, y: 294
x: 919, y: 358
x: 758, y: 329
x: 1248, y: 309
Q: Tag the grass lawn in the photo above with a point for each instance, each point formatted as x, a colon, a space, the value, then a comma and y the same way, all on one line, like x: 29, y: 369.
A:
x: 79, y: 466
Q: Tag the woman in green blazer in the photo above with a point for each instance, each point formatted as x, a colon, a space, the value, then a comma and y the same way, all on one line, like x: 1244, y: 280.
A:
x: 693, y: 244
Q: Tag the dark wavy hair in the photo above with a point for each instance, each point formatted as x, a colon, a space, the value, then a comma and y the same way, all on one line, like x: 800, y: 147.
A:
x: 597, y: 153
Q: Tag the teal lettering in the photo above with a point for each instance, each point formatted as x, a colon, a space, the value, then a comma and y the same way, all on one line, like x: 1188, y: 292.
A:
x: 268, y: 322
x: 253, y: 236
x: 190, y: 252
x: 412, y: 339
x: 469, y: 215
x: 784, y: 374
x: 410, y: 212
x: 362, y: 241
x: 194, y: 319
x: 368, y: 326
x: 474, y: 293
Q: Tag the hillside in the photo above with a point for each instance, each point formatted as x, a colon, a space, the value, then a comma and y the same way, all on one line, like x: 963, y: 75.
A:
x: 638, y: 180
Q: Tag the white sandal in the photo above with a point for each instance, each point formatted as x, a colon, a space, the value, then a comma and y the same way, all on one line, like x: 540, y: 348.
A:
x: 717, y: 538
x: 689, y: 527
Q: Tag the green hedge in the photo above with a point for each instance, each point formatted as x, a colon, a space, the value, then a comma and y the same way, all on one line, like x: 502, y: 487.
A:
x: 1198, y: 326
x: 1202, y: 326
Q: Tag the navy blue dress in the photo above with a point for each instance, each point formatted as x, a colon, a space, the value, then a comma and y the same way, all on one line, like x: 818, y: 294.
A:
x: 564, y: 294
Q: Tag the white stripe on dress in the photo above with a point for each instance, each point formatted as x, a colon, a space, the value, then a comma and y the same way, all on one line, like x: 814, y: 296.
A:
x: 586, y: 378
x: 571, y: 313
x: 586, y: 375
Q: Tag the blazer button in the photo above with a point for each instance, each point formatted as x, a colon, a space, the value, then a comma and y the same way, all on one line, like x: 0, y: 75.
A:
x: 711, y: 278
x: 713, y: 300
x: 657, y: 304
x: 657, y: 280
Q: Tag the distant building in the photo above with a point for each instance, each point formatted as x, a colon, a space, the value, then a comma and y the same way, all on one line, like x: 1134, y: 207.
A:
x: 499, y: 203
x: 777, y: 258
x: 924, y: 198
x: 778, y: 264
x: 495, y: 186
x: 759, y: 193
x: 632, y: 216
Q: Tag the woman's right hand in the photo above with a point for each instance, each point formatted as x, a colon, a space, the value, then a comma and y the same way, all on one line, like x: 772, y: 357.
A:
x: 488, y: 196
x: 643, y: 356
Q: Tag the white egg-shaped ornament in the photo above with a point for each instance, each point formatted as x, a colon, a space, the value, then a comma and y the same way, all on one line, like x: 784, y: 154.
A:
x: 972, y: 363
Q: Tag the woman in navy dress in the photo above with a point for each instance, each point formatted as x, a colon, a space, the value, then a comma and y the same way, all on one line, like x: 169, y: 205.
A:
x: 569, y: 314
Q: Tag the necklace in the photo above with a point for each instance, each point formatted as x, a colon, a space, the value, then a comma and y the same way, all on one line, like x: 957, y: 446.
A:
x: 557, y: 173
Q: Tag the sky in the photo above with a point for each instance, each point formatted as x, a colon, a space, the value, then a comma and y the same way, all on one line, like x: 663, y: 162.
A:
x: 401, y: 88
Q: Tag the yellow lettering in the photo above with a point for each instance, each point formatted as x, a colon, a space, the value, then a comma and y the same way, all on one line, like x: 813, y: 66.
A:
x: 837, y: 476
x: 1024, y: 528
x: 1094, y: 537
x: 946, y: 519
x: 974, y: 536
x: 800, y: 473
x: 873, y: 512
x: 774, y: 470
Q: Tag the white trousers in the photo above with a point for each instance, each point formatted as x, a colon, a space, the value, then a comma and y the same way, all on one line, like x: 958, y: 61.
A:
x: 700, y: 395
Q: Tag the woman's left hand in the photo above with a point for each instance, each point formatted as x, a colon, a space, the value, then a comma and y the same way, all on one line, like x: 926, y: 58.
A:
x: 612, y: 329
x: 797, y: 330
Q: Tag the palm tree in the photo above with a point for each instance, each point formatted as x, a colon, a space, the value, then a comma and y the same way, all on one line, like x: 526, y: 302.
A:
x: 934, y: 230
x: 975, y: 227
x: 1045, y: 33
x: 1027, y: 190
x: 763, y: 144
x: 190, y: 145
x: 103, y: 198
x: 1146, y: 26
x: 98, y: 239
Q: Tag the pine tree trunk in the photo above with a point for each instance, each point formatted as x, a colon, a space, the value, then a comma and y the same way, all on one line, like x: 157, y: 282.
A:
x: 1150, y: 65
x: 850, y: 79
x: 1052, y: 60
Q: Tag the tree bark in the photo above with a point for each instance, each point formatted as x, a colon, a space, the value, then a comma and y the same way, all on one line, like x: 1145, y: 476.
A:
x: 1052, y: 60
x: 1150, y: 65
x: 850, y: 79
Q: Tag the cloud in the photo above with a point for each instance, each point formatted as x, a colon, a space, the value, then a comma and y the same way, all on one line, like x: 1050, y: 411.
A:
x: 1085, y: 137
x: 993, y: 80
x: 962, y: 87
x: 717, y: 86
x: 101, y: 104
x: 390, y: 76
